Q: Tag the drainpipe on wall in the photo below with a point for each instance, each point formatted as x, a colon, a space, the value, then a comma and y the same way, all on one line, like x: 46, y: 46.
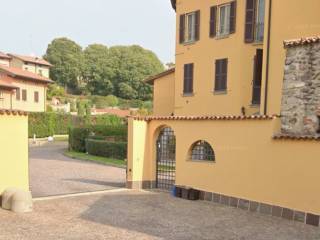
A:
x: 268, y: 58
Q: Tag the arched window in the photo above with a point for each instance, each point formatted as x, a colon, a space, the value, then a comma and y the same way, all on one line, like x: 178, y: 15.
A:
x: 201, y: 150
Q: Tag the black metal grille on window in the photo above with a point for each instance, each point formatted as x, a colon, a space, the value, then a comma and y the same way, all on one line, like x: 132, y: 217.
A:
x: 166, y: 159
x: 202, y: 150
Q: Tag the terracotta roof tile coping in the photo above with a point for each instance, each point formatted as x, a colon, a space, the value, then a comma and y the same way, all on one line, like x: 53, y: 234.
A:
x: 231, y: 117
x: 30, y: 59
x: 13, y: 71
x: 296, y: 137
x: 301, y: 41
x: 13, y: 112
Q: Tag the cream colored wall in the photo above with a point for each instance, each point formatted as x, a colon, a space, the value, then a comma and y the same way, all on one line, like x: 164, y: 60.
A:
x: 31, y: 67
x: 5, y: 99
x: 30, y: 105
x: 249, y: 163
x: 4, y: 62
x: 14, y: 152
x: 301, y: 19
x: 203, y: 54
x: 163, y: 95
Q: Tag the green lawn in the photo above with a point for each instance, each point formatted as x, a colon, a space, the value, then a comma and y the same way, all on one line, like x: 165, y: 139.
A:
x: 88, y: 157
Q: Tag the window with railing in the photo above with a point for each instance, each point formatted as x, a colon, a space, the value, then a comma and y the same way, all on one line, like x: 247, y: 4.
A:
x: 254, y: 21
x: 202, y: 151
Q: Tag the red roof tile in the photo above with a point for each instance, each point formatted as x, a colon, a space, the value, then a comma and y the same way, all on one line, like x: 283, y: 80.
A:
x: 6, y: 82
x: 301, y: 41
x: 13, y: 112
x: 160, y: 75
x: 296, y: 137
x: 20, y: 73
x: 3, y: 55
x: 30, y: 59
x: 231, y: 117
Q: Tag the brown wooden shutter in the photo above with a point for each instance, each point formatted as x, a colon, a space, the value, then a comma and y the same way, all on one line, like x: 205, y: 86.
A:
x: 233, y: 16
x: 250, y: 21
x: 18, y: 94
x: 36, y: 97
x: 221, y: 75
x: 213, y: 22
x: 197, y: 27
x: 257, y: 77
x: 24, y: 95
x: 188, y: 79
x: 182, y: 28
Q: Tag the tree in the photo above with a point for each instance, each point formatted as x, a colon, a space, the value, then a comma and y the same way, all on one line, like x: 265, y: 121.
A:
x: 126, y: 91
x: 131, y: 65
x: 97, y: 73
x: 66, y: 56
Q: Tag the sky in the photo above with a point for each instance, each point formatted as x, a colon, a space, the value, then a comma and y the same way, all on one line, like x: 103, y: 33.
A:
x: 29, y: 26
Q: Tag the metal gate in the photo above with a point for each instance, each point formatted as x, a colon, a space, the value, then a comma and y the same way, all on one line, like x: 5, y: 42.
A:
x: 166, y: 159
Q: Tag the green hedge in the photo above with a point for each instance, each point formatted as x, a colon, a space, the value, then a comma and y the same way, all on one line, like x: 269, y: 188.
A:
x: 77, y: 136
x: 115, y: 150
x: 50, y: 123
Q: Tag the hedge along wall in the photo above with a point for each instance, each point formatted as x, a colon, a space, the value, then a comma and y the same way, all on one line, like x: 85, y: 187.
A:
x: 48, y: 124
x: 78, y: 135
x: 116, y: 150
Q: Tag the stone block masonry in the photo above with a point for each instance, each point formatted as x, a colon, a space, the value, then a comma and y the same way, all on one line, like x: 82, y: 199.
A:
x: 300, y: 110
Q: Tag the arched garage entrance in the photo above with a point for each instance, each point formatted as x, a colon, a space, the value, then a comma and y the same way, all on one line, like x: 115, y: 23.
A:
x: 166, y: 159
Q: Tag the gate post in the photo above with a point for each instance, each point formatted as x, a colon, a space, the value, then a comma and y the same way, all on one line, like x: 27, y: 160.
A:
x: 138, y: 174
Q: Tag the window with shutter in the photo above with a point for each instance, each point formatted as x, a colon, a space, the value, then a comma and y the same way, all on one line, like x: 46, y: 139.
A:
x: 189, y: 27
x: 254, y: 25
x: 188, y: 79
x: 221, y: 75
x: 223, y: 19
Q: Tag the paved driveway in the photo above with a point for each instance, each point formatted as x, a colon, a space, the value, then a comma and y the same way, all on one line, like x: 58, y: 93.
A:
x: 129, y: 214
x: 51, y: 173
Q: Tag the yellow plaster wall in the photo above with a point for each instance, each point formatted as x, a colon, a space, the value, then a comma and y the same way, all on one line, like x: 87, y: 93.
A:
x: 163, y: 95
x: 203, y: 54
x: 14, y: 152
x: 249, y: 163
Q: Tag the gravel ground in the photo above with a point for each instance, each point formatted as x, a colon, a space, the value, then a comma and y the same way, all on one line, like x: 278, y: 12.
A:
x: 51, y: 173
x: 129, y: 214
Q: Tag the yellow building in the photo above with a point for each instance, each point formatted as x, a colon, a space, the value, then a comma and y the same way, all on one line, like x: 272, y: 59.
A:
x: 23, y: 83
x: 239, y: 117
x: 14, y: 172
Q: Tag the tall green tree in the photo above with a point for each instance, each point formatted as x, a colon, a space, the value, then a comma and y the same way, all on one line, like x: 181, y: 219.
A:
x: 131, y: 65
x: 67, y: 59
x: 97, y: 72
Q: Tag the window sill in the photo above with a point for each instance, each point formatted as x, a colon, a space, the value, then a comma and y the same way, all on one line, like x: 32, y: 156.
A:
x: 201, y: 161
x: 187, y: 94
x: 222, y: 36
x: 256, y: 43
x: 220, y: 92
x: 253, y: 105
x: 189, y: 43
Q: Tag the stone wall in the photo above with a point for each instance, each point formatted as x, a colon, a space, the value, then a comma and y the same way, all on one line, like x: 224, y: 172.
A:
x: 300, y: 108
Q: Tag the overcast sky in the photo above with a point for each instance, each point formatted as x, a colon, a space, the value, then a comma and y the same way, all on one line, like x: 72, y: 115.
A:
x: 27, y: 27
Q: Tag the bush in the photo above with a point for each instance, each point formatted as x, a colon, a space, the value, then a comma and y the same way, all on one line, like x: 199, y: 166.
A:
x: 116, y: 150
x: 77, y: 136
x: 50, y: 123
